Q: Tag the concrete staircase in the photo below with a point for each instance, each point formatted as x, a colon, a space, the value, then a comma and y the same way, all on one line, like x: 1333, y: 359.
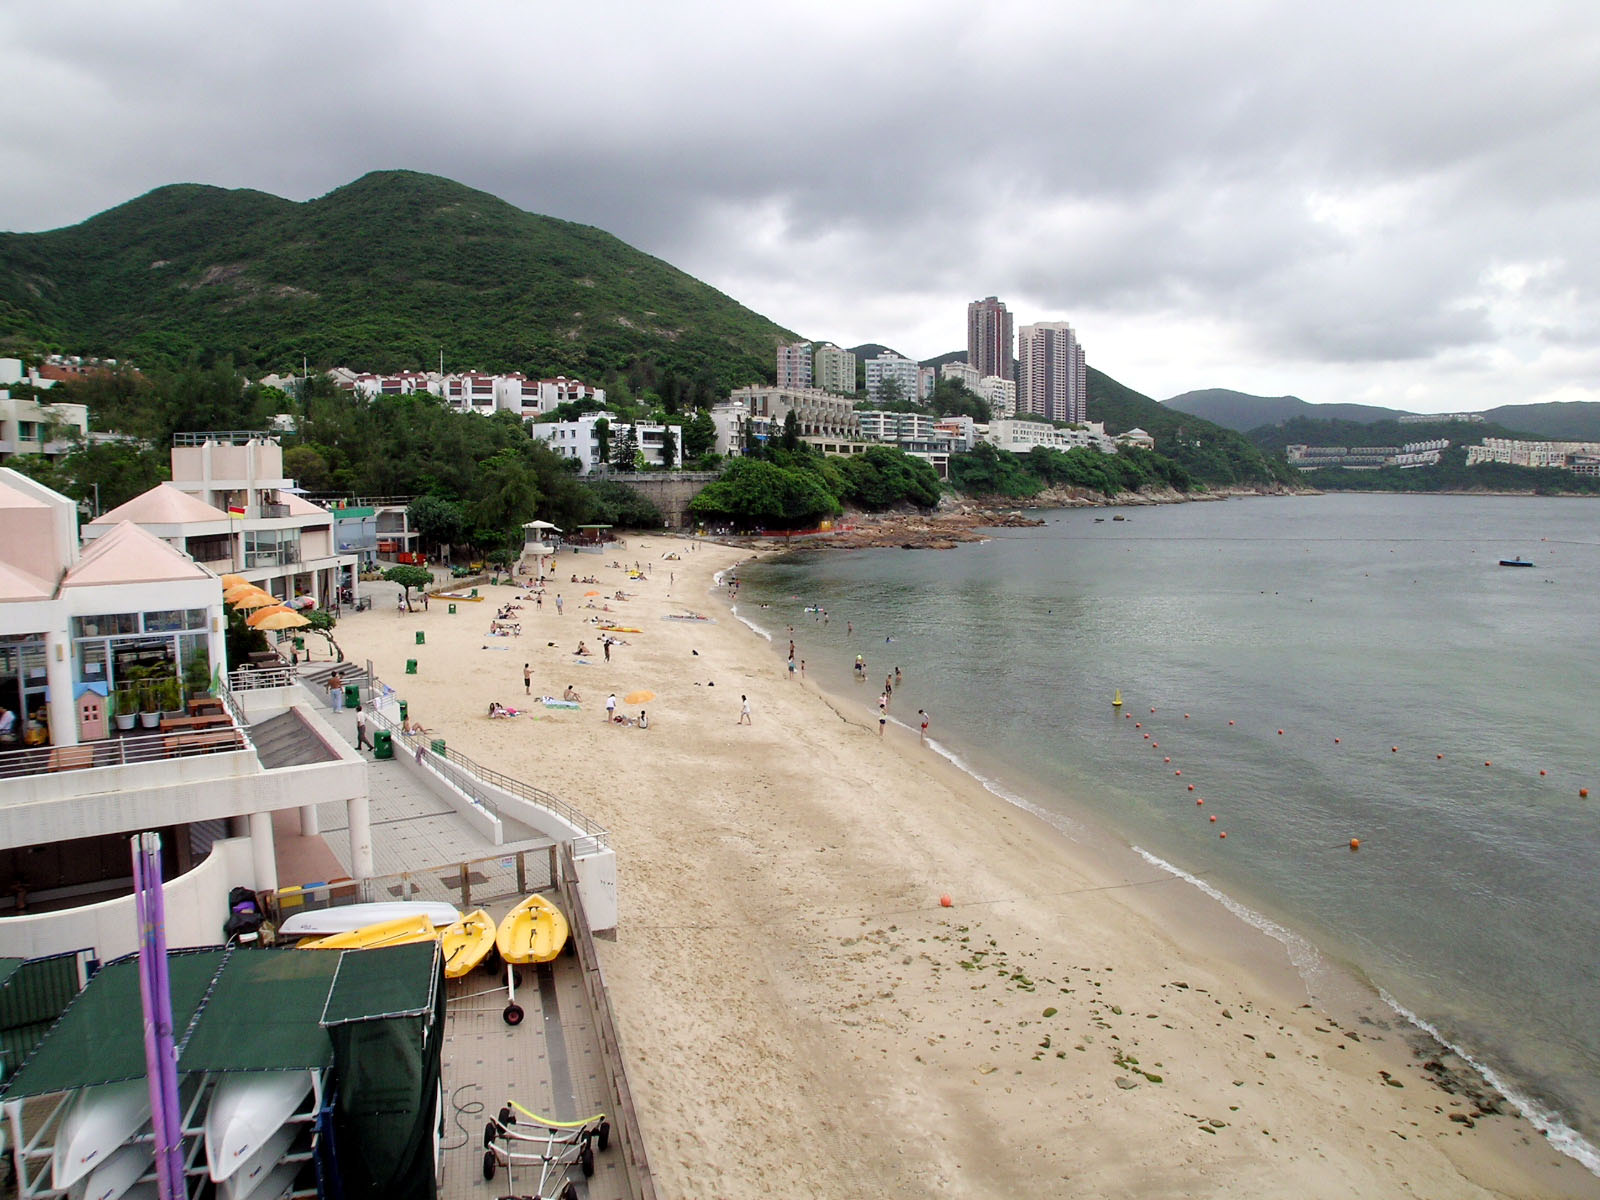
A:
x: 287, y: 741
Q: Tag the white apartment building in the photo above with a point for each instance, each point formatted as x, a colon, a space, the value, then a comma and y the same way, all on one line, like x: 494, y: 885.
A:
x: 1052, y: 375
x: 475, y: 391
x: 881, y: 426
x: 820, y: 414
x: 1020, y: 436
x: 29, y: 426
x: 834, y: 370
x: 963, y: 373
x: 230, y: 508
x: 580, y: 440
x: 889, y: 365
x: 1529, y: 454
x: 1000, y: 394
x: 794, y: 365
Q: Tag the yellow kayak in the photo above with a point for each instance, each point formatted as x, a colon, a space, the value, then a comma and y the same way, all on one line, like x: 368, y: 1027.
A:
x: 400, y: 932
x: 533, y: 932
x: 466, y: 943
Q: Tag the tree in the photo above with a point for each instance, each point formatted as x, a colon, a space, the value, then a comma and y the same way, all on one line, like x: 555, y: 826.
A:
x: 669, y: 448
x: 602, y: 434
x: 505, y: 495
x: 699, y: 435
x: 890, y: 392
x: 322, y: 623
x: 624, y: 454
x: 791, y: 431
x: 307, y: 467
x: 409, y: 577
x: 763, y: 495
x: 438, y: 522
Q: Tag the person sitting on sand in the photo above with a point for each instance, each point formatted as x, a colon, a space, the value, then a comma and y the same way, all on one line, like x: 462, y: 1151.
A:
x: 582, y: 651
x: 644, y: 721
x: 571, y: 694
x: 496, y: 709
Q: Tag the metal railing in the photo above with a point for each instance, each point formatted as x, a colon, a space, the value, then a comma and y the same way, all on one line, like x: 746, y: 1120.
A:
x: 122, y: 751
x: 247, y: 679
x: 233, y: 437
x: 471, y: 883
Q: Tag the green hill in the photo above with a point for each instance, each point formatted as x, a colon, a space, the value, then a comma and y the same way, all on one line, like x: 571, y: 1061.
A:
x: 383, y: 273
x: 1576, y: 420
x: 1243, y: 412
x: 1209, y: 452
x: 1562, y: 421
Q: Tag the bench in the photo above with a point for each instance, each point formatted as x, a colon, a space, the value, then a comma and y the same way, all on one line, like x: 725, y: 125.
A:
x: 204, y: 704
x: 211, y: 739
x: 207, y: 721
x: 71, y: 758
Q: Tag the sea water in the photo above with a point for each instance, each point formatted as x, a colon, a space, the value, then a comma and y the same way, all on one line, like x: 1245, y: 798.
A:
x: 1433, y: 704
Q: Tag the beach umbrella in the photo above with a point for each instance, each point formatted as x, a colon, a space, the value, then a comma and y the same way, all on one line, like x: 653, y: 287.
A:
x: 639, y: 697
x: 261, y: 614
x: 230, y: 594
x: 591, y: 593
x: 258, y: 599
x: 230, y: 581
x: 284, y: 620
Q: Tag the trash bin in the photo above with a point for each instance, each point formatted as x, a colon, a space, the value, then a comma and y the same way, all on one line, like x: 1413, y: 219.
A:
x: 403, y: 713
x: 474, y: 591
x: 352, y: 695
x: 452, y: 610
x: 437, y: 746
x: 383, y: 744
x: 411, y: 666
x: 421, y: 637
x: 299, y: 643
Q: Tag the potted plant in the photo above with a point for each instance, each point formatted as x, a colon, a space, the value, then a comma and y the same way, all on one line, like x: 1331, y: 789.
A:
x: 125, y: 707
x: 171, y: 692
x: 149, y: 703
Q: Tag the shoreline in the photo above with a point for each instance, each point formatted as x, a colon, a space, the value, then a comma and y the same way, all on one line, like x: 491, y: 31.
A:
x: 1280, y: 959
x: 801, y: 1016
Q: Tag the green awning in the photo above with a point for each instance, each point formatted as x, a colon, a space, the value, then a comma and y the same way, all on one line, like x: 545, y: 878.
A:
x: 262, y: 1015
x: 398, y: 982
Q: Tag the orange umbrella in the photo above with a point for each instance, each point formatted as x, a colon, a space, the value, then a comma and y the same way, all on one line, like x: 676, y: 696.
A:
x: 261, y: 614
x: 258, y: 599
x: 232, y: 592
x: 640, y: 697
x: 230, y: 581
x: 283, y: 620
x: 591, y: 593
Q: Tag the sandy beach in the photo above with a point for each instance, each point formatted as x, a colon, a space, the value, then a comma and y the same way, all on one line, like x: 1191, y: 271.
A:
x: 803, y: 1016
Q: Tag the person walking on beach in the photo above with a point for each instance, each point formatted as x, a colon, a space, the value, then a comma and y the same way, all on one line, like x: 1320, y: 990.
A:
x: 605, y: 644
x: 791, y: 667
x: 897, y: 677
x: 611, y: 707
x: 558, y: 604
x: 744, y: 711
x: 527, y: 679
x: 362, y: 740
x: 336, y: 691
x: 922, y: 715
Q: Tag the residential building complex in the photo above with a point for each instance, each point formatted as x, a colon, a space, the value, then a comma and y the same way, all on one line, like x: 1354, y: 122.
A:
x: 834, y: 370
x: 580, y: 440
x: 820, y: 414
x: 1019, y: 436
x: 29, y: 425
x: 474, y: 391
x: 1001, y: 395
x: 905, y: 373
x: 989, y: 338
x: 962, y: 372
x: 794, y: 365
x: 1571, y: 455
x: 1052, y: 378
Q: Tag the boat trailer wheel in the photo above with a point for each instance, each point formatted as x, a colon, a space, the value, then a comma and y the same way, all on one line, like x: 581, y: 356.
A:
x: 488, y: 1164
x: 512, y: 1014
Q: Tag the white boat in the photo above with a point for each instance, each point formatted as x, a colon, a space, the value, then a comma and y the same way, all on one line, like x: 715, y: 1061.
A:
x: 247, y: 1108
x: 279, y: 1183
x: 323, y: 922
x: 99, y: 1120
x: 255, y: 1170
x: 112, y: 1179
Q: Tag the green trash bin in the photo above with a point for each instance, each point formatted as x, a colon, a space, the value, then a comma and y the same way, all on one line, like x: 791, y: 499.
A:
x: 299, y: 643
x: 352, y: 695
x: 403, y: 713
x: 421, y: 637
x: 452, y: 610
x: 437, y: 746
x: 383, y: 744
x: 474, y: 591
x: 411, y: 666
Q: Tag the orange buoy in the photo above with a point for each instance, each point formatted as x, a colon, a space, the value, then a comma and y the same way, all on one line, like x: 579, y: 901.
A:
x: 1152, y: 710
x: 1583, y: 793
x: 1167, y: 759
x: 1230, y: 722
x: 1138, y: 724
x: 945, y: 901
x: 1185, y: 716
x: 1199, y: 800
x: 1213, y: 818
x: 1223, y: 834
x: 1155, y: 745
x: 1191, y: 787
x: 1180, y: 773
x: 1335, y: 741
x: 1394, y: 749
x: 1280, y: 733
x: 1355, y: 843
x: 1487, y: 763
x: 1541, y: 770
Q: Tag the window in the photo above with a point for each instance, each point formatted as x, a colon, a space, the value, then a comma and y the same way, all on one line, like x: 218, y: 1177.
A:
x: 27, y: 431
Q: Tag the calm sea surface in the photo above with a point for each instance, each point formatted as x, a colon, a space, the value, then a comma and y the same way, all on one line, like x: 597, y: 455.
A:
x: 1378, y: 633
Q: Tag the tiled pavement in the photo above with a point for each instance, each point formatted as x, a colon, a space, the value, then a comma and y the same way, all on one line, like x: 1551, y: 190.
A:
x: 551, y: 1062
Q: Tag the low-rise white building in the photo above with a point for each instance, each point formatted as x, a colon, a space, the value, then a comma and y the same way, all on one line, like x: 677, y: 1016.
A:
x: 580, y: 440
x: 820, y: 414
x: 29, y: 425
x: 1020, y: 436
x: 1530, y: 454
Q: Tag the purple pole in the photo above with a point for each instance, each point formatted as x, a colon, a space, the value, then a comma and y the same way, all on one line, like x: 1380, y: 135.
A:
x: 161, y: 1066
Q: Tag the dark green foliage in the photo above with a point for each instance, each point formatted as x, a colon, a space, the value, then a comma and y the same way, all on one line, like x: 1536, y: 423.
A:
x: 381, y: 273
x: 409, y: 577
x: 613, y: 503
x: 988, y: 471
x: 1209, y: 453
x: 120, y: 470
x: 884, y: 477
x: 438, y: 521
x: 699, y: 436
x: 754, y: 494
x: 625, y: 453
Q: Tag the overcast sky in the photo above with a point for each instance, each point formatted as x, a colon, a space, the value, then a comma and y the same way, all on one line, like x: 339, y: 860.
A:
x: 1389, y: 203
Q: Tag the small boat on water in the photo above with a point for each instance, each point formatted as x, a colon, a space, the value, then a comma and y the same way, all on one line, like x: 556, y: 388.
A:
x: 247, y: 1110
x: 323, y: 921
x: 403, y: 932
x: 1119, y: 518
x: 1515, y: 562
x: 467, y: 943
x: 535, y: 931
x: 100, y: 1120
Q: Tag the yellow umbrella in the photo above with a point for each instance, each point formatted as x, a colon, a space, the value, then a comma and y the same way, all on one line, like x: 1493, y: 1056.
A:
x: 261, y: 614
x: 231, y: 592
x: 229, y: 581
x: 283, y: 620
x: 640, y: 697
x: 255, y: 600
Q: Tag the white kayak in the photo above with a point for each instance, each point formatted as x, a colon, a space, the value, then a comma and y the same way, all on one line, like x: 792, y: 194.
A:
x: 118, y: 1173
x: 322, y: 922
x: 247, y: 1108
x: 279, y: 1183
x: 254, y: 1173
x: 100, y: 1119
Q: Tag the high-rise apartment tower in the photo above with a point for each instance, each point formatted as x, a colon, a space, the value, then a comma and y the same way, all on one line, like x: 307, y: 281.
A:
x: 989, y: 338
x: 794, y: 365
x: 1052, y: 378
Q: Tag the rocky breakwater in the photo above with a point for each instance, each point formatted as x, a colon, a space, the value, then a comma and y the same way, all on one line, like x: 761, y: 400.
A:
x: 924, y: 531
